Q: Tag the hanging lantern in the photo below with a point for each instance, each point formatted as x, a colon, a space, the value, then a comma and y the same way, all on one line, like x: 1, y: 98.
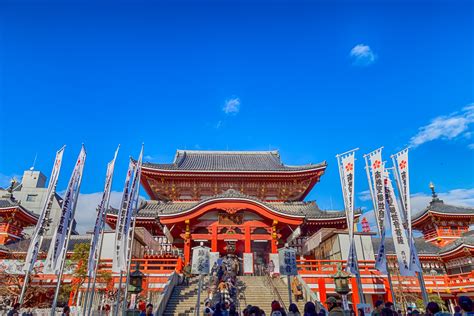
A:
x: 136, y: 280
x: 341, y: 280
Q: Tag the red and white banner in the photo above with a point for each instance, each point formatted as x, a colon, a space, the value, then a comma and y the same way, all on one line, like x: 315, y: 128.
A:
x: 400, y: 161
x: 100, y: 220
x: 43, y: 220
x: 400, y: 240
x: 346, y: 163
x: 119, y: 257
x: 59, y: 242
x: 375, y: 170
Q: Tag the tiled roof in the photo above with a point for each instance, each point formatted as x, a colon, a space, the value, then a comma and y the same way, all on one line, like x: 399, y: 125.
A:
x: 423, y: 247
x: 437, y: 205
x: 191, y: 160
x: 7, y: 203
x: 467, y: 239
x: 4, y: 202
x: 310, y: 210
x: 23, y: 245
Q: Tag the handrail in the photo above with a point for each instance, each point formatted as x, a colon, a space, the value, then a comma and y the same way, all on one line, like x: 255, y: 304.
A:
x: 310, y: 294
x: 166, y: 294
x: 275, y: 292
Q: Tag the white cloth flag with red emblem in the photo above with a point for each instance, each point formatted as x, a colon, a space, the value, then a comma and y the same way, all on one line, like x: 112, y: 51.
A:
x: 346, y: 171
x: 400, y: 240
x: 400, y: 161
x: 118, y: 259
x: 54, y: 260
x: 100, y: 220
x: 375, y: 170
x: 43, y: 220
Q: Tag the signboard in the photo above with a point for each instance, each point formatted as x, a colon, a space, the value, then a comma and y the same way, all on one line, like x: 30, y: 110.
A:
x: 367, y: 308
x: 287, y: 258
x: 200, y: 264
x: 248, y: 263
x: 274, y: 258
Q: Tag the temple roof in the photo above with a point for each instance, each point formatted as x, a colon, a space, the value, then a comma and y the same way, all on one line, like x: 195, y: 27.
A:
x: 22, y: 245
x: 215, y: 161
x: 438, y: 206
x: 423, y: 247
x: 309, y: 210
x: 6, y: 203
x: 466, y: 240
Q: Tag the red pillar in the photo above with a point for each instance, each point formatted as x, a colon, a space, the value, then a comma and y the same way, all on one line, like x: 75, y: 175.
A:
x: 355, y: 293
x: 187, y: 251
x: 322, y: 290
x: 214, y: 238
x: 247, y: 240
x: 388, y: 293
x: 274, y: 246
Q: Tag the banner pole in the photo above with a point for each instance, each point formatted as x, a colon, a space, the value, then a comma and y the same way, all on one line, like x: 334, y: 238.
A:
x: 289, y: 289
x: 63, y: 261
x: 91, y: 299
x: 198, y: 303
x: 23, y: 289
x: 124, y: 304
x: 119, y: 290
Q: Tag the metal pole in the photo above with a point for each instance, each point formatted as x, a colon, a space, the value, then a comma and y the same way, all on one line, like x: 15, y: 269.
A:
x: 91, y: 299
x: 63, y: 260
x: 117, y: 302
x: 23, y: 289
x: 198, y: 303
x: 124, y: 304
x: 289, y: 290
x: 423, y: 288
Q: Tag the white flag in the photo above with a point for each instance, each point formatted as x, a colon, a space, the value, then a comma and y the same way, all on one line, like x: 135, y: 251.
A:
x: 59, y: 241
x: 43, y: 220
x: 118, y: 263
x: 346, y: 172
x: 132, y: 208
x: 400, y: 161
x: 400, y: 240
x: 375, y: 170
x: 100, y: 220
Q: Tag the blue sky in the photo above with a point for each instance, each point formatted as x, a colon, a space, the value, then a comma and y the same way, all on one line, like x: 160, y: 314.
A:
x: 311, y: 79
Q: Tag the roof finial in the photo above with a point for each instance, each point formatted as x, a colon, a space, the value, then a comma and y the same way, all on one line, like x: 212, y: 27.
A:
x: 433, y: 192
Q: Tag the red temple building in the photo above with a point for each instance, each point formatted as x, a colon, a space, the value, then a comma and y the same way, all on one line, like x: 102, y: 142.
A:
x: 234, y: 202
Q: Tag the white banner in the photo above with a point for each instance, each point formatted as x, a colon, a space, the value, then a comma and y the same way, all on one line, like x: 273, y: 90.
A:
x: 375, y: 169
x: 248, y: 263
x: 287, y: 260
x: 402, y: 247
x: 56, y: 253
x: 100, y: 220
x: 201, y: 260
x: 119, y: 257
x: 43, y: 220
x: 346, y: 164
x: 400, y: 161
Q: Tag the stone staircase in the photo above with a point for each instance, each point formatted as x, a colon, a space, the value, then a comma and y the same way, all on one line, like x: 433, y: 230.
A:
x: 258, y: 291
x: 183, y: 299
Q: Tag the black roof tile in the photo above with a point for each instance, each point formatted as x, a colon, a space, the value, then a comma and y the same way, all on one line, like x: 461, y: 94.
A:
x: 192, y: 160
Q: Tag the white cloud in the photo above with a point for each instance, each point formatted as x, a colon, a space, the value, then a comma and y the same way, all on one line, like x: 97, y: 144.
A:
x: 446, y: 127
x: 362, y: 55
x: 86, y: 209
x: 232, y: 106
x: 470, y: 146
x: 218, y: 125
x: 365, y: 195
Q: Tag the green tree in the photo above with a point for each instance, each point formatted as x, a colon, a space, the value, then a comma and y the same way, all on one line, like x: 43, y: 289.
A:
x: 79, y: 262
x: 432, y: 298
